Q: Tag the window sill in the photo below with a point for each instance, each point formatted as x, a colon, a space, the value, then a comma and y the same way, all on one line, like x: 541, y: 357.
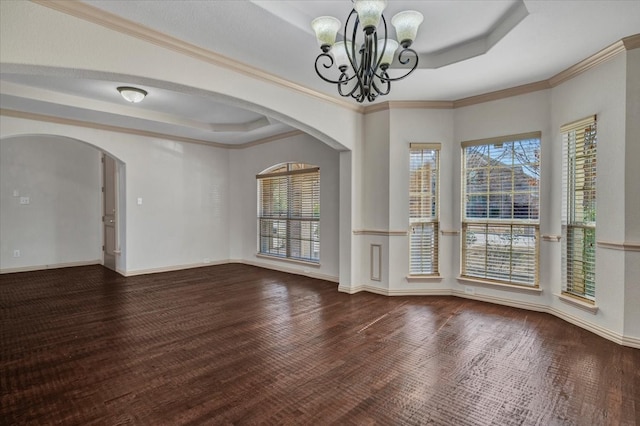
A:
x: 419, y: 278
x: 502, y: 286
x: 285, y: 259
x: 578, y: 303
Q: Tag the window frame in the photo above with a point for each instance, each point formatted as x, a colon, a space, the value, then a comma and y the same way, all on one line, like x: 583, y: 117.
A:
x: 421, y: 221
x: 516, y: 236
x: 576, y: 232
x: 286, y: 219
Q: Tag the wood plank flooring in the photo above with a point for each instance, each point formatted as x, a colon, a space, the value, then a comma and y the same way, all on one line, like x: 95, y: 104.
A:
x: 235, y: 344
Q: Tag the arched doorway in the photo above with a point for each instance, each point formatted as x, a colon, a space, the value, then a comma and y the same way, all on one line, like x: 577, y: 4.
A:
x: 52, y: 210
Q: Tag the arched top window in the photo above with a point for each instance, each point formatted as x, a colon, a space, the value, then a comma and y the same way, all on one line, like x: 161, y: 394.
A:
x: 289, y: 212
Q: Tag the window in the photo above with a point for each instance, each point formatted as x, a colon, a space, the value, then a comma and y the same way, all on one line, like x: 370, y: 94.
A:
x: 579, y: 208
x: 423, y: 208
x: 289, y: 212
x: 500, y: 226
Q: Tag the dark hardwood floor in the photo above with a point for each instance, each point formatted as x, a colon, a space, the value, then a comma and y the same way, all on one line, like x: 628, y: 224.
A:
x: 235, y: 344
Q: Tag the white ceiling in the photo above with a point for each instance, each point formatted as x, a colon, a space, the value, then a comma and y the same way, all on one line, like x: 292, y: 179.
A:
x: 466, y: 48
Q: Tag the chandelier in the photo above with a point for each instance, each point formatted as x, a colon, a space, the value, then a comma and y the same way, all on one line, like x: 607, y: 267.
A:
x: 363, y: 61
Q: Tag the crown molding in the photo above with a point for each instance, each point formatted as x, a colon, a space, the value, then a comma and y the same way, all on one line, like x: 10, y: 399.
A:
x: 113, y: 22
x: 631, y: 42
x: 267, y: 139
x: 126, y: 130
x: 582, y: 66
x: 383, y: 106
x: 501, y: 94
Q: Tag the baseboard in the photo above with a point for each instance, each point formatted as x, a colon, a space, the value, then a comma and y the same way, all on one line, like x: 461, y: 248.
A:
x: 632, y: 342
x: 51, y: 266
x: 173, y: 268
x: 537, y: 307
x: 596, y: 329
x: 281, y: 268
x: 395, y: 292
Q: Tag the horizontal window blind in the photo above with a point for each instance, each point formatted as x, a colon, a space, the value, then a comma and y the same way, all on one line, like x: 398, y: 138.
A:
x: 501, y: 204
x: 501, y: 252
x: 423, y: 208
x: 579, y: 143
x: 289, y: 212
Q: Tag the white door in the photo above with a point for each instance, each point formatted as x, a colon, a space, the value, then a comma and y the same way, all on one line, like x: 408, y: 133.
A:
x: 109, y: 211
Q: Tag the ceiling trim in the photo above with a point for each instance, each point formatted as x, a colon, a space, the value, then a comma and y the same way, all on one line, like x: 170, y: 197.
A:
x: 631, y: 42
x: 118, y: 129
x: 97, y: 16
x: 501, y: 94
x: 383, y: 106
x: 592, y: 61
x: 267, y: 139
x: 99, y: 126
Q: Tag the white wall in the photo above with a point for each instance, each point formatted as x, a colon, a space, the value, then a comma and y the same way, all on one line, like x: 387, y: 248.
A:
x: 246, y: 163
x: 632, y: 197
x: 183, y: 218
x: 62, y: 222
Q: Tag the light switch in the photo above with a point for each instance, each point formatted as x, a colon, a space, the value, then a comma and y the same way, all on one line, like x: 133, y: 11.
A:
x: 139, y: 201
x: 16, y: 193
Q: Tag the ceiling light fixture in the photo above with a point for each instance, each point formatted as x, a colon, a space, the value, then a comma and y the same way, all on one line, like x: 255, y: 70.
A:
x: 132, y: 94
x: 363, y: 61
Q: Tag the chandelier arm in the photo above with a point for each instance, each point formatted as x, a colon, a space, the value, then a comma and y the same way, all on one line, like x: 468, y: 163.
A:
x: 343, y: 82
x: 384, y: 47
x: 385, y: 81
x: 385, y: 76
x: 358, y: 70
x: 328, y: 65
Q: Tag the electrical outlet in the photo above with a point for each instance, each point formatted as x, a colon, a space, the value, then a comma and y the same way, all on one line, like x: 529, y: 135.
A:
x: 16, y: 253
x: 469, y: 290
x: 206, y: 260
x: 24, y: 200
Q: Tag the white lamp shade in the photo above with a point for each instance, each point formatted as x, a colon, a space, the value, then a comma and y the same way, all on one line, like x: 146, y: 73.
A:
x: 369, y: 11
x: 389, y: 51
x: 339, y: 53
x: 326, y: 28
x: 132, y: 94
x: 406, y: 24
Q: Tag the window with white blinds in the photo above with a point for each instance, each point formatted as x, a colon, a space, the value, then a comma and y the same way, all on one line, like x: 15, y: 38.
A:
x: 579, y: 144
x: 289, y: 212
x: 423, y: 208
x: 500, y: 202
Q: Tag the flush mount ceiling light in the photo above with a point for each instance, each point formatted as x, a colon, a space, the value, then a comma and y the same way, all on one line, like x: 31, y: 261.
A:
x: 132, y: 94
x: 362, y: 62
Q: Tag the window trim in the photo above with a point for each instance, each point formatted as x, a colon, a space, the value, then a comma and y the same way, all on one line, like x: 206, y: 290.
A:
x: 433, y: 221
x: 568, y: 206
x: 497, y: 221
x: 290, y: 217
